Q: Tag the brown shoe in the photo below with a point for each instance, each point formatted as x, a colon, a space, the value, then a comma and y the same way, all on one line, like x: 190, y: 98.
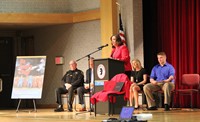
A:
x: 82, y: 109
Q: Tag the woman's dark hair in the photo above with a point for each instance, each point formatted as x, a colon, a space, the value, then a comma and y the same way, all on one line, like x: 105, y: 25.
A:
x: 118, y: 39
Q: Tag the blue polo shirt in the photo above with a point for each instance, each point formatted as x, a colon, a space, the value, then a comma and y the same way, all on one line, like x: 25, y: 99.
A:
x: 160, y: 73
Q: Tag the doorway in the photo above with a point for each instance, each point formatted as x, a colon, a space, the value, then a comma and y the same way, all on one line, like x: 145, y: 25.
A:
x: 10, y: 47
x: 6, y: 71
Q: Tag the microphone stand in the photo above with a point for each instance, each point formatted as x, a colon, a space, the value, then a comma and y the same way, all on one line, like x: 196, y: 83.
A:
x: 88, y: 55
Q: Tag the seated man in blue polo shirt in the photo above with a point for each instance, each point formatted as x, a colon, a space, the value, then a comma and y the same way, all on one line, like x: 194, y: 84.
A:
x: 161, y: 78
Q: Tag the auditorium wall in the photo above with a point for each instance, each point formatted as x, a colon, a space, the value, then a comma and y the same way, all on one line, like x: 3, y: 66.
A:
x: 73, y: 41
x: 131, y: 12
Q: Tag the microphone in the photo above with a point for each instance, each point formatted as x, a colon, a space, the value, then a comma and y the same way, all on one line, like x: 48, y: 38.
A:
x: 102, y: 46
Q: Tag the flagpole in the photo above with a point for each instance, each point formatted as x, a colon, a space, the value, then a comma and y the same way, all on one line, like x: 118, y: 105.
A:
x: 121, y: 30
x: 119, y: 13
x: 119, y: 7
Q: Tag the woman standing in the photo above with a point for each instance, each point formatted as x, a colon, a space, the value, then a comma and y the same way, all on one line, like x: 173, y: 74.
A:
x: 139, y: 78
x: 121, y: 52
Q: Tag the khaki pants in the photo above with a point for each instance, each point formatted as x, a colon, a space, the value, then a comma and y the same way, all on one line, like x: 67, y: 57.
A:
x: 150, y: 88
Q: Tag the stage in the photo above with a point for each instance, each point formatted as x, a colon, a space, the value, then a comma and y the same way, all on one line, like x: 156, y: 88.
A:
x: 48, y: 115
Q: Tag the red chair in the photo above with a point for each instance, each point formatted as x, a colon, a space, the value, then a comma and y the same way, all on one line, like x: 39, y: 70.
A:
x: 192, y: 84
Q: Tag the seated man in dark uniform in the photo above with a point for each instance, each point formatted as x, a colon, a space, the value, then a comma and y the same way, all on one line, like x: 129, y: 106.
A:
x: 72, y: 80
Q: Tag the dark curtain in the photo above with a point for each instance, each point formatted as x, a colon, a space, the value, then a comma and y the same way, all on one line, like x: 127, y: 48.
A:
x: 177, y: 25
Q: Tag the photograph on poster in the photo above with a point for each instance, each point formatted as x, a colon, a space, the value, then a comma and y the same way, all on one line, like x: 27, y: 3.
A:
x: 28, y: 77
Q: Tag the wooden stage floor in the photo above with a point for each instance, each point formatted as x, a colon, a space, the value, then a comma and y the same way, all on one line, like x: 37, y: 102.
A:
x: 48, y: 115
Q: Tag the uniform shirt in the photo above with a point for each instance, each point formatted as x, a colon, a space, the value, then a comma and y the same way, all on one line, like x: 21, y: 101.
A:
x: 160, y: 73
x: 74, y: 77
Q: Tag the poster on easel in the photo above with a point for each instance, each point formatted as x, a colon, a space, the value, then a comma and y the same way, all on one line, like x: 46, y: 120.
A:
x: 28, y: 77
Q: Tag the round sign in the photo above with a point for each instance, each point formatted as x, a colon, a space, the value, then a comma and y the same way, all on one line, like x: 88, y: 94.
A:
x: 101, y: 71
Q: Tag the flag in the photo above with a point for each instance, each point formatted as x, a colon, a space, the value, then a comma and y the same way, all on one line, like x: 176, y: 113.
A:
x: 121, y: 30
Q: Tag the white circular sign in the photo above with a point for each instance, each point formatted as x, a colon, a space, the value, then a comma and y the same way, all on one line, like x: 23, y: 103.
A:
x: 101, y: 71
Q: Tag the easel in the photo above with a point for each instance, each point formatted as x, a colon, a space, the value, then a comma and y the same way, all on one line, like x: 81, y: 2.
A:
x: 35, y: 110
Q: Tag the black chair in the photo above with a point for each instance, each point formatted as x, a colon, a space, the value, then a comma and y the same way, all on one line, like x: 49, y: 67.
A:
x: 112, y: 101
x: 116, y: 99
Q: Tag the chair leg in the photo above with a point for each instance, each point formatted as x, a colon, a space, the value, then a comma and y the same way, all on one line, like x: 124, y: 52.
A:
x: 197, y: 99
x: 160, y: 99
x: 113, y: 108
x: 112, y: 105
x: 95, y: 108
x: 176, y: 98
x: 179, y: 101
x: 191, y: 101
x: 75, y: 102
x: 109, y: 105
x: 172, y: 100
x: 143, y: 101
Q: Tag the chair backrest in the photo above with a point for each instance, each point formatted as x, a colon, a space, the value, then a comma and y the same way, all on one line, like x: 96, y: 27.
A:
x: 190, y: 79
x: 109, y: 85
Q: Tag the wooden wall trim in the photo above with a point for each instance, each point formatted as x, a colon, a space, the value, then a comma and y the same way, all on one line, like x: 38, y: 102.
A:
x: 15, y: 18
x: 41, y: 18
x: 86, y: 16
x: 109, y: 25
